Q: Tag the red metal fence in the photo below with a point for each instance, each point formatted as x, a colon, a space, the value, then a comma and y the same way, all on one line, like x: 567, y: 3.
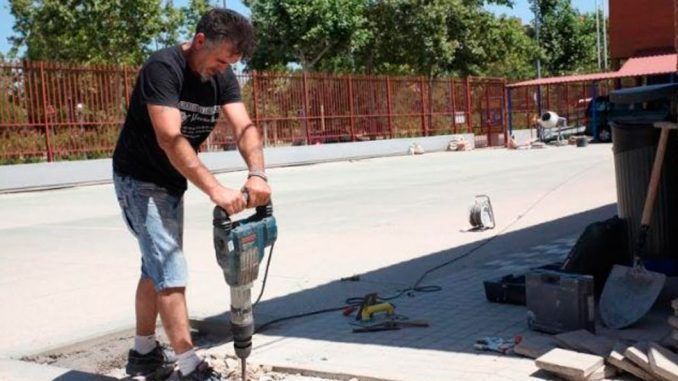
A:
x: 51, y: 111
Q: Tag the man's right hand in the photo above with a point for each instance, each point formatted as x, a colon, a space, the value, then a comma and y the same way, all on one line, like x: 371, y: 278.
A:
x: 232, y: 201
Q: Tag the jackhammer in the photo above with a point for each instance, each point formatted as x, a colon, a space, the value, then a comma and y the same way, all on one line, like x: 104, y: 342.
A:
x: 239, y: 247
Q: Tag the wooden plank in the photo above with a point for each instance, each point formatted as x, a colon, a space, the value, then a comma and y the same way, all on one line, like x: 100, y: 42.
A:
x: 535, y: 346
x: 569, y: 363
x: 663, y: 362
x: 618, y: 359
x: 584, y: 341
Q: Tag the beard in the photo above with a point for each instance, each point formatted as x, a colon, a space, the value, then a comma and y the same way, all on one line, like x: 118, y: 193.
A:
x: 204, y: 77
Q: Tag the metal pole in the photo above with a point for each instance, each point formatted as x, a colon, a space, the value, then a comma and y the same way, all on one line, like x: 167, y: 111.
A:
x: 307, y: 112
x: 48, y: 144
x: 605, y: 36
x: 537, y: 16
x: 389, y: 107
x: 350, y: 108
x: 598, y: 35
x: 594, y: 119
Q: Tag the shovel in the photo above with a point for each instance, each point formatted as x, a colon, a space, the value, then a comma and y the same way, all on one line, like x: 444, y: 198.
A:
x: 630, y: 292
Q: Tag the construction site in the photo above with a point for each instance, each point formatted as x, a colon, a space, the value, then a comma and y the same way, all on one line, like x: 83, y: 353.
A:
x: 449, y: 229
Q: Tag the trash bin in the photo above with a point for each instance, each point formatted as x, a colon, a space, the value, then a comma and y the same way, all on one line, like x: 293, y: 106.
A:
x: 634, y: 139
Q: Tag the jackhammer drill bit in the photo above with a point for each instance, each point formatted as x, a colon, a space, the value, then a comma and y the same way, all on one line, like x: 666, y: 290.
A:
x: 243, y: 366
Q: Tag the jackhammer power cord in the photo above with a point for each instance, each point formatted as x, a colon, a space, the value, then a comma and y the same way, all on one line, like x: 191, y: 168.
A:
x: 357, y: 301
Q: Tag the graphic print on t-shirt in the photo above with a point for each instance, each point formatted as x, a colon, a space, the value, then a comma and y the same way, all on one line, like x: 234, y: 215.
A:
x: 197, y: 121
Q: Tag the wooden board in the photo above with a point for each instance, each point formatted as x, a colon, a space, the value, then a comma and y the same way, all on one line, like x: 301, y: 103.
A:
x: 618, y: 359
x: 569, y: 363
x: 535, y: 346
x: 584, y: 341
x: 663, y: 362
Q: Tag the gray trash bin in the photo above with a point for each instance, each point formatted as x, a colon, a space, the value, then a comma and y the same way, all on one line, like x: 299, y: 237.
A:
x: 634, y: 138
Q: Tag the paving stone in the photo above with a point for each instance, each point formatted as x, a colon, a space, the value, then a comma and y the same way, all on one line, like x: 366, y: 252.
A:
x: 663, y: 362
x: 535, y: 346
x: 569, y: 363
x: 584, y: 341
x: 618, y: 359
x: 638, y: 354
x: 604, y: 372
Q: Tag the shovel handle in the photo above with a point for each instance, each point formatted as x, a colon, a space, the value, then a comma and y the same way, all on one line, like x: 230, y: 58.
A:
x: 655, y: 177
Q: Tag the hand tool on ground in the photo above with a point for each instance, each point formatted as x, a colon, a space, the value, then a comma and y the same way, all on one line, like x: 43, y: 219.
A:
x: 391, y: 325
x: 630, y: 292
x: 239, y: 247
x: 497, y: 344
x: 371, y: 306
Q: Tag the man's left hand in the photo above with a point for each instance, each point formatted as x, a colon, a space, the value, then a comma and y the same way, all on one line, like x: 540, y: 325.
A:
x: 258, y: 191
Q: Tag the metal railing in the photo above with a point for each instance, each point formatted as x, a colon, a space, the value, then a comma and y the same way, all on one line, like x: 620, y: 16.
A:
x: 52, y: 111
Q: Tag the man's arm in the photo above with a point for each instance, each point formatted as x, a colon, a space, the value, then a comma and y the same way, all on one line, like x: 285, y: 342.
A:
x: 167, y: 125
x: 251, y: 148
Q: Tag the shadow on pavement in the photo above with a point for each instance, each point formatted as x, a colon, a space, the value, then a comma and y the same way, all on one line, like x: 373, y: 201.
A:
x: 458, y: 314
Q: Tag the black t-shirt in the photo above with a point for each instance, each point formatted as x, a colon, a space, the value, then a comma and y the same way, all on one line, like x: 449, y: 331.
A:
x: 166, y: 79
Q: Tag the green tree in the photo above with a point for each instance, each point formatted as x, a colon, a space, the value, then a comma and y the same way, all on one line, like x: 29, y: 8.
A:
x: 308, y: 33
x: 99, y: 31
x: 566, y: 37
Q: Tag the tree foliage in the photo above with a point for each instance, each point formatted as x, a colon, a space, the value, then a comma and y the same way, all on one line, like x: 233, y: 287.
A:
x: 306, y: 32
x: 99, y: 31
x: 566, y: 37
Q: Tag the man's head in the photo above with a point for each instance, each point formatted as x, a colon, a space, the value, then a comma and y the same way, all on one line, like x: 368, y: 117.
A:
x: 221, y: 39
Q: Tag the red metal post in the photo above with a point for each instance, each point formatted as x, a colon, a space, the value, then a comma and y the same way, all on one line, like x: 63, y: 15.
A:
x: 306, y: 107
x: 454, y: 106
x: 424, y: 127
x: 389, y: 106
x: 255, y: 107
x: 487, y: 114
x: 48, y: 143
x: 349, y: 80
x: 505, y: 113
x: 469, y: 110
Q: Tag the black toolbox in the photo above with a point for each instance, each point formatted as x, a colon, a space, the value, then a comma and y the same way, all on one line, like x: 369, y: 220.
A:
x: 559, y: 302
x: 510, y: 289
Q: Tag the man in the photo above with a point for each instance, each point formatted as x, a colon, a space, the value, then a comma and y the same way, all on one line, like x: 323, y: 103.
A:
x: 174, y: 106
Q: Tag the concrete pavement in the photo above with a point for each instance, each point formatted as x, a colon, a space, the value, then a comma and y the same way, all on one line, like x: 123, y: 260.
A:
x: 69, y: 268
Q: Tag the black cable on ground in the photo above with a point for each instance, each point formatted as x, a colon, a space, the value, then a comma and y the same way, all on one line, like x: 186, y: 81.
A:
x: 357, y: 301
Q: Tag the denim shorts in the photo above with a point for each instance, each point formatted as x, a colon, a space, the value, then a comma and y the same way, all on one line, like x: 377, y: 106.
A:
x: 156, y: 219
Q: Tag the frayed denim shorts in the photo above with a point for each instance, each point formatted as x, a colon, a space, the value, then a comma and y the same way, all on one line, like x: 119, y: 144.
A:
x: 156, y: 219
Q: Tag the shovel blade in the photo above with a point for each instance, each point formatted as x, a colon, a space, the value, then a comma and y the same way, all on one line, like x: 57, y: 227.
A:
x: 628, y: 295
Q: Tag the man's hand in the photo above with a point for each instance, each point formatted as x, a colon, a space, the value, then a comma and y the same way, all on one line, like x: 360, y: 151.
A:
x: 258, y: 190
x: 232, y: 201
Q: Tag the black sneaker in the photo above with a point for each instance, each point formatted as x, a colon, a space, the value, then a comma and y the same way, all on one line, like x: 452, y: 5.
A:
x: 203, y: 372
x: 158, y: 363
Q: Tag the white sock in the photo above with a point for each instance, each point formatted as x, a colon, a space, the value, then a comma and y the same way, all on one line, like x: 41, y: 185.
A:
x: 144, y: 344
x: 188, y: 361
